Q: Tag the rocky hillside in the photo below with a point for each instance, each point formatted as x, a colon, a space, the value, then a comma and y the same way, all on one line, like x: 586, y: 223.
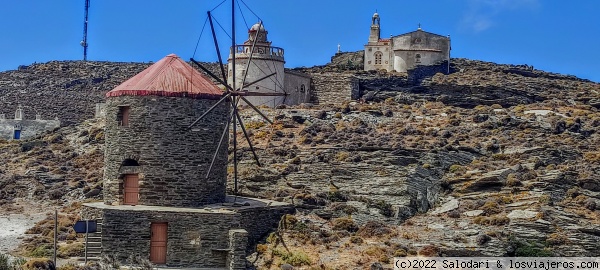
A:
x: 489, y: 160
x: 67, y: 90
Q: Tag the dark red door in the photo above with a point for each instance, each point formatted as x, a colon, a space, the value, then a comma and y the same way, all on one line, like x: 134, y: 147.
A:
x: 158, y: 243
x: 132, y: 189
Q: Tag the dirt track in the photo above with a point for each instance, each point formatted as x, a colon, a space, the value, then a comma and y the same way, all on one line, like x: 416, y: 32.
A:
x: 13, y: 227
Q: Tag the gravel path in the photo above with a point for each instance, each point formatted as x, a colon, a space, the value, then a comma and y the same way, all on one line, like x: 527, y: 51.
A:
x: 13, y: 227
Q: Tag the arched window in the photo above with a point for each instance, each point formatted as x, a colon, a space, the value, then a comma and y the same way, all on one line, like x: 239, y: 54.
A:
x: 378, y: 56
x: 129, y: 162
x: 418, y: 58
x: 302, y: 88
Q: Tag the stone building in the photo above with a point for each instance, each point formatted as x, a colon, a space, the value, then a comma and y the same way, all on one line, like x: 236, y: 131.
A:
x: 265, y: 60
x: 158, y: 202
x: 406, y: 51
x: 21, y: 128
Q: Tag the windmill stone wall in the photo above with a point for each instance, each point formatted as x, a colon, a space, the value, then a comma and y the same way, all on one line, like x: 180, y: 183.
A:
x: 173, y: 160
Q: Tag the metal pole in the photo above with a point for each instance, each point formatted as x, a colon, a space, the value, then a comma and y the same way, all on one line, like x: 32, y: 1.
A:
x: 85, y: 30
x: 86, y: 240
x: 55, y: 233
x: 235, y: 173
x: 233, y: 67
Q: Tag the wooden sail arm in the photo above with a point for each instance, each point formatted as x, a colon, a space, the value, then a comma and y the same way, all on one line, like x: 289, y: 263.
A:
x: 256, y: 94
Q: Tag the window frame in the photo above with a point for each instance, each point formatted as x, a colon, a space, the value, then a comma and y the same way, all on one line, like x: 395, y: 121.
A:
x: 124, y: 116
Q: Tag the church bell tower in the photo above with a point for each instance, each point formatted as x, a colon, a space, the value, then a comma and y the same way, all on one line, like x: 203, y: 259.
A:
x: 375, y: 28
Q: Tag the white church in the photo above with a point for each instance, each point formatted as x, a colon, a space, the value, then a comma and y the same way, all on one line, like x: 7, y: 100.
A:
x: 406, y: 51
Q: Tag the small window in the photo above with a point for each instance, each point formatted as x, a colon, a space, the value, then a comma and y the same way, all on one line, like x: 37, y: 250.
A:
x: 129, y: 162
x: 378, y: 56
x: 123, y: 116
x: 370, y: 49
x: 418, y: 58
x: 302, y: 88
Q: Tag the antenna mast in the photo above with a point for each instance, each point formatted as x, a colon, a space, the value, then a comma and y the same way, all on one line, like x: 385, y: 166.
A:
x: 84, y: 43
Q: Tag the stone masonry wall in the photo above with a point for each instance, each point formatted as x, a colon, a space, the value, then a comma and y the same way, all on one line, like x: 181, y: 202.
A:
x: 259, y: 222
x: 173, y: 160
x: 194, y: 239
x: 333, y: 88
x: 238, y: 240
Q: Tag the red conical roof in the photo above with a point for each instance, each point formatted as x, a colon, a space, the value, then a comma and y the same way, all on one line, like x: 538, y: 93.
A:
x: 169, y: 77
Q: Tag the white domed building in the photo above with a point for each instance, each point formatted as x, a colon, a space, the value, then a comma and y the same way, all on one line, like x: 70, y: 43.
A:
x: 265, y: 59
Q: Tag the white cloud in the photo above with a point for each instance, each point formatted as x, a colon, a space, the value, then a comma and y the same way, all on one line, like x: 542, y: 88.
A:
x: 480, y: 15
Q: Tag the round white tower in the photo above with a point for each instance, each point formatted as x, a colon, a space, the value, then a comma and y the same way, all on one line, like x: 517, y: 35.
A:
x: 265, y: 61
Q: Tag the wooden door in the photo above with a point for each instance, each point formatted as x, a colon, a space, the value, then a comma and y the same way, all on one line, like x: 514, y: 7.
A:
x: 158, y: 243
x: 132, y: 189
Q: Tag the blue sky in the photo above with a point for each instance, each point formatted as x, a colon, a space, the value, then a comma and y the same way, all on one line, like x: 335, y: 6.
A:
x: 553, y: 35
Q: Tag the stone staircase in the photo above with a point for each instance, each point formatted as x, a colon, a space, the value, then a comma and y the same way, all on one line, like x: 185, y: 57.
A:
x: 94, y: 244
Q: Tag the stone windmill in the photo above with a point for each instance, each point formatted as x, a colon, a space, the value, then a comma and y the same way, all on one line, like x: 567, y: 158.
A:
x: 165, y: 174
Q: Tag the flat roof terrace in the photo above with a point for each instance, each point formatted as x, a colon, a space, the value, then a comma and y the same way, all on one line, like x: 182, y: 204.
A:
x: 231, y: 205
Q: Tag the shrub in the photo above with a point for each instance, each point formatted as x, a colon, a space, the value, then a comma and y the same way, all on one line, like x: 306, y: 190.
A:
x: 356, y: 240
x: 496, y: 220
x: 512, y: 180
x: 374, y: 228
x: 41, y: 251
x: 500, y: 157
x: 139, y: 263
x: 346, y: 209
x: 5, y: 263
x: 529, y: 249
x: 294, y: 258
x: 254, y: 124
x: 457, y: 169
x: 345, y: 224
x: 400, y: 253
x: 557, y: 238
x: 288, y: 221
x: 429, y: 251
x: 490, y: 208
x: 376, y: 251
x: 70, y: 250
x: 261, y: 248
x: 39, y: 264
x: 342, y: 156
x: 336, y: 196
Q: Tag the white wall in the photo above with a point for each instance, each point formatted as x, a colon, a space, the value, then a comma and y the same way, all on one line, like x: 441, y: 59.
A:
x: 262, y: 64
